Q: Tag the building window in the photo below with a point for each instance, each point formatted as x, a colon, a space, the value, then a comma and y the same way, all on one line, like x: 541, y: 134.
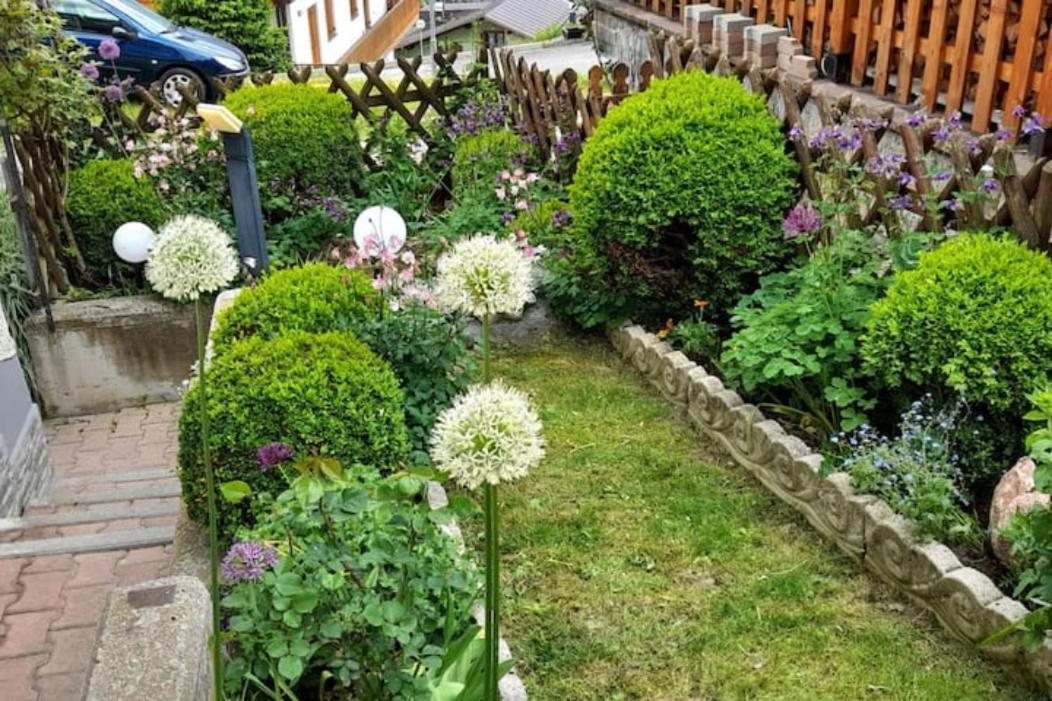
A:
x: 354, y: 9
x: 330, y: 19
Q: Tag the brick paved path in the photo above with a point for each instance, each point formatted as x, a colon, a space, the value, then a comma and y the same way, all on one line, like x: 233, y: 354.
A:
x: 114, y: 476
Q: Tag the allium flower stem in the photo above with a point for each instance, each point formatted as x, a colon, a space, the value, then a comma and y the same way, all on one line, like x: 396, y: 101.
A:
x: 213, y: 535
x: 492, y: 594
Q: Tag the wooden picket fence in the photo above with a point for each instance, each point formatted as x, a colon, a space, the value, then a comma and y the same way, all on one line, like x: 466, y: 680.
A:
x: 415, y: 99
x: 983, y: 57
x: 549, y: 108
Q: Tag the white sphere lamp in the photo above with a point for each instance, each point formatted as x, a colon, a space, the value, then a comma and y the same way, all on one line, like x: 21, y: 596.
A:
x: 132, y: 242
x: 382, y: 225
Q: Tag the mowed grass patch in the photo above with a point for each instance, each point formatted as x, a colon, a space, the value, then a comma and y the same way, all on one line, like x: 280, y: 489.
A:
x: 638, y: 565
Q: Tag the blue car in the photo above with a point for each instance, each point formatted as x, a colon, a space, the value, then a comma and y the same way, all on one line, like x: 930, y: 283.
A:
x: 153, y: 48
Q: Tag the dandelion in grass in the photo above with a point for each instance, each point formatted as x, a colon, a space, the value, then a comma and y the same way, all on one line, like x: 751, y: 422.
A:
x: 490, y: 435
x: 246, y: 562
x: 483, y: 276
x: 192, y: 256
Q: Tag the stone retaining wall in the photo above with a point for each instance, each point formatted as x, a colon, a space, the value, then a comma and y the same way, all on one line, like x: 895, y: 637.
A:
x: 965, y: 601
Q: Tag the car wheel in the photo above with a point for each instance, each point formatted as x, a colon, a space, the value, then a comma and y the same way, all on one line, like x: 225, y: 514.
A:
x: 175, y: 78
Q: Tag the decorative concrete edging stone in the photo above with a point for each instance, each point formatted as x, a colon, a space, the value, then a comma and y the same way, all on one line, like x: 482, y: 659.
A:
x: 965, y: 601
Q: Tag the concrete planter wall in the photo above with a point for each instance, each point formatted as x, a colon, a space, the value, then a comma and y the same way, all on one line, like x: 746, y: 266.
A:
x: 965, y: 601
x: 111, y: 353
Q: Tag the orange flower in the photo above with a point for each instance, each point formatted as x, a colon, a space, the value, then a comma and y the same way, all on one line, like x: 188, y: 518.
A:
x: 701, y: 303
x: 665, y: 331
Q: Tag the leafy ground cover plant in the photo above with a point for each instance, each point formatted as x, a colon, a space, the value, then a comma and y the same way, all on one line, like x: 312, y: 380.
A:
x: 971, y: 320
x: 679, y: 194
x: 326, y: 393
x: 917, y: 472
x: 345, y: 586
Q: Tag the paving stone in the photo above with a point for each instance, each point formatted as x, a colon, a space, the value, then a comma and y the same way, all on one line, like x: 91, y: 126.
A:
x: 9, y: 573
x: 135, y: 573
x: 49, y: 563
x: 83, y: 606
x: 62, y: 687
x: 40, y: 592
x: 158, y: 553
x: 71, y: 650
x: 16, y: 678
x: 26, y: 634
x: 95, y: 568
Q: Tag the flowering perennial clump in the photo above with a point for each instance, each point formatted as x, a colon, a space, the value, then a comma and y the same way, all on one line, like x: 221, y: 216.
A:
x: 483, y: 276
x: 802, y: 220
x: 246, y: 562
x: 192, y: 256
x: 490, y: 435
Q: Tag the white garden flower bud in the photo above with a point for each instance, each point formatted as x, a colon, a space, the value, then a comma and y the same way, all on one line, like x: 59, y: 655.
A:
x: 483, y: 276
x: 192, y: 256
x: 489, y: 435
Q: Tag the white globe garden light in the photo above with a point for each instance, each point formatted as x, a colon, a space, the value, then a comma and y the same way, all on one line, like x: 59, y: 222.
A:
x: 132, y: 242
x: 381, y: 225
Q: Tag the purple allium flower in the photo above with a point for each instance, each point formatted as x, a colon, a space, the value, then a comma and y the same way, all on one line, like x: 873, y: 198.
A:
x: 109, y: 50
x: 917, y: 119
x: 1034, y: 124
x: 903, y: 202
x: 246, y: 562
x: 89, y: 71
x: 802, y: 220
x: 1019, y: 111
x: 795, y: 132
x: 113, y: 93
x: 273, y: 454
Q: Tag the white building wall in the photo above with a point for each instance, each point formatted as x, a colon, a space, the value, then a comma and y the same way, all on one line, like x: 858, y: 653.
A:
x: 348, y: 31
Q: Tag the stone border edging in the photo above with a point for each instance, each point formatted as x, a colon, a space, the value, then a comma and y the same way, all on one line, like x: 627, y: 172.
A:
x: 965, y: 601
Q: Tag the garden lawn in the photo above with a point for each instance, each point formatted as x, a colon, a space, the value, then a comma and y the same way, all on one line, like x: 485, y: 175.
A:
x: 639, y: 566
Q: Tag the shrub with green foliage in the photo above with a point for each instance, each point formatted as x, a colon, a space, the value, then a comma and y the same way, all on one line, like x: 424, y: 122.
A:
x: 304, y: 138
x: 367, y: 593
x: 479, y: 159
x: 326, y: 394
x: 972, y: 320
x: 102, y: 195
x: 679, y: 194
x: 315, y: 298
x: 246, y: 23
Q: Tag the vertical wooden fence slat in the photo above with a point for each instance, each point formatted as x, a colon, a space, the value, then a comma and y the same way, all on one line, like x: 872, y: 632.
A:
x: 762, y: 11
x: 1022, y: 61
x: 781, y: 10
x: 962, y: 54
x: 840, y: 35
x: 862, y: 40
x: 908, y: 57
x: 799, y: 18
x: 885, y: 43
x: 818, y: 29
x: 933, y: 60
x: 1044, y: 94
x: 988, y: 83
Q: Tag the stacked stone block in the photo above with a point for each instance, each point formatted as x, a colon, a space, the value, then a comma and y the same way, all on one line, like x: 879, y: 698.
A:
x: 698, y: 22
x: 729, y: 34
x: 792, y: 60
x: 761, y: 44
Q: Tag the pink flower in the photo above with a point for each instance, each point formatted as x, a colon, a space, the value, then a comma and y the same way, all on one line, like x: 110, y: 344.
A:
x: 505, y: 175
x: 406, y: 275
x: 335, y: 254
x: 408, y: 258
x: 387, y: 258
x: 520, y: 234
x: 501, y: 194
x: 522, y: 205
x: 528, y: 251
x: 379, y: 283
x: 89, y: 71
x: 532, y: 178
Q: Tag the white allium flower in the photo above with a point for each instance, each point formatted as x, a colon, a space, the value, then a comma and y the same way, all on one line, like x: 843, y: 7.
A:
x: 192, y: 256
x: 489, y: 435
x: 482, y: 275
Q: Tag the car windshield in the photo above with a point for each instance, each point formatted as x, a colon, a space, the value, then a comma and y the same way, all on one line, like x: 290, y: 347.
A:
x: 146, y: 18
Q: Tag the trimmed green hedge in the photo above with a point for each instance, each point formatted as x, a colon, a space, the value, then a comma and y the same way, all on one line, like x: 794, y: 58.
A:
x: 679, y: 195
x: 316, y: 298
x: 321, y: 394
x: 302, y: 136
x: 246, y: 23
x: 975, y: 320
x: 103, y: 195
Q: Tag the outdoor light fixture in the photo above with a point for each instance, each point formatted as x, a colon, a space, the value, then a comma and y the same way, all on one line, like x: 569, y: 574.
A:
x: 244, y: 188
x: 383, y: 223
x: 132, y: 242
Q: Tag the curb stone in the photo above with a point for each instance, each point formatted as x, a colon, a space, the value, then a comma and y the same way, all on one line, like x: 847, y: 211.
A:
x: 965, y: 601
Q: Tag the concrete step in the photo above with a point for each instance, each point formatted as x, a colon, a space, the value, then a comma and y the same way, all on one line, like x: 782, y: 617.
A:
x: 89, y: 543
x: 61, y: 497
x: 117, y: 476
x: 77, y: 516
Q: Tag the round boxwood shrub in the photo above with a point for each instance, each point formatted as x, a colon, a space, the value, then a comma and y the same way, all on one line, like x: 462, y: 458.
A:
x: 103, y: 195
x: 972, y: 320
x: 316, y: 298
x: 679, y: 194
x: 323, y: 394
x: 303, y: 137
